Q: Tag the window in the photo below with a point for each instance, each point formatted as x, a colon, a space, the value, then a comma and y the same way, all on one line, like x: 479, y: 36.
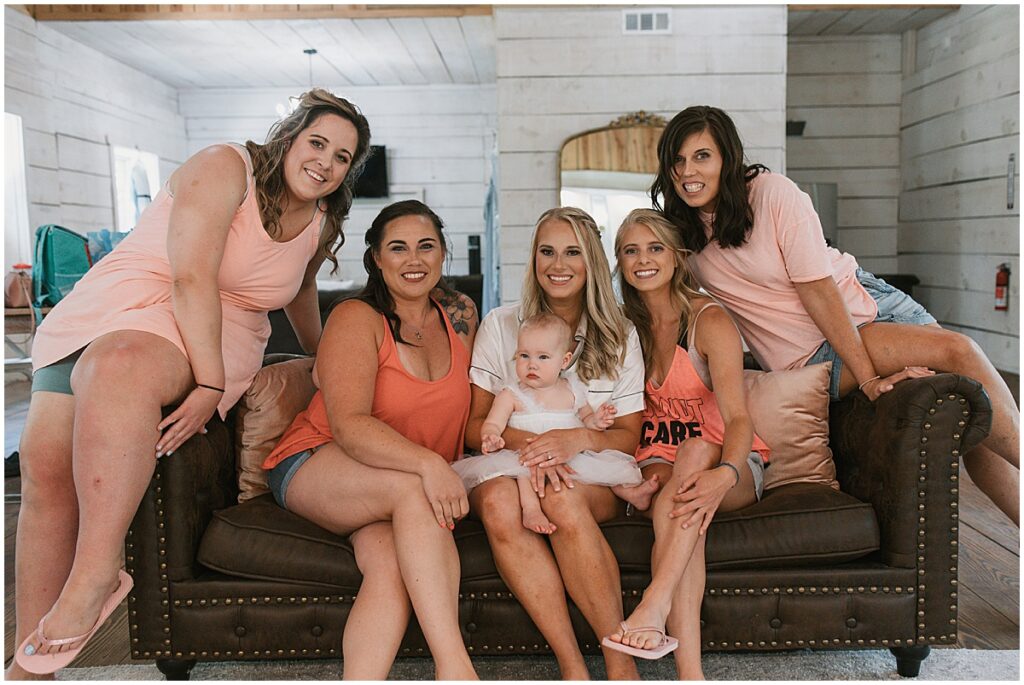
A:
x: 17, y: 232
x: 136, y: 183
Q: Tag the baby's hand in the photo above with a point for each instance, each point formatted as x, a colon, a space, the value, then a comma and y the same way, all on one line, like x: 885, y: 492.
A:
x: 602, y: 418
x: 491, y: 443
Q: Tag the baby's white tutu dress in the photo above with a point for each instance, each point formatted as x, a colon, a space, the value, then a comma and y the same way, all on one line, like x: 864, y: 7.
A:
x: 607, y: 467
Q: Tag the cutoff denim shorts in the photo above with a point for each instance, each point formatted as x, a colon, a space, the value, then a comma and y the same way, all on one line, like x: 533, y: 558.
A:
x: 280, y: 477
x: 894, y: 306
x: 754, y: 462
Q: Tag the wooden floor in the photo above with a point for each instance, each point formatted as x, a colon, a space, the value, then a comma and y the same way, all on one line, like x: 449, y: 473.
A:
x: 989, y: 564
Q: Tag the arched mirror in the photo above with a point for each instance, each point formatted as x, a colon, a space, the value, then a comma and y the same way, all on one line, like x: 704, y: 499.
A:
x: 608, y: 171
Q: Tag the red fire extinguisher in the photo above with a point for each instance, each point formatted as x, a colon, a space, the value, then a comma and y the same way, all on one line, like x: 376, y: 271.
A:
x: 1003, y: 288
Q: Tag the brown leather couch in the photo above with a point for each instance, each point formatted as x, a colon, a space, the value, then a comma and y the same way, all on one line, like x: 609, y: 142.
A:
x: 873, y: 566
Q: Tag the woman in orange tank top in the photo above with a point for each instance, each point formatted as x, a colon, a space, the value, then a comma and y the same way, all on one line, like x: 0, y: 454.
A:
x: 370, y: 457
x: 700, y: 443
x: 175, y: 315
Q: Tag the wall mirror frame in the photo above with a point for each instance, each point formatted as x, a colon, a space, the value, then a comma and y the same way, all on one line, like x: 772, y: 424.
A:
x: 608, y: 171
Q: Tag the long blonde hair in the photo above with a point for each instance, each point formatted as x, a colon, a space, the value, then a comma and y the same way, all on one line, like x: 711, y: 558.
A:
x: 683, y: 288
x: 604, y: 349
x: 268, y: 167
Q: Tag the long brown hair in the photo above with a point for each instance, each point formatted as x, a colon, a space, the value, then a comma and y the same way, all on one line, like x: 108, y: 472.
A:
x: 684, y: 286
x: 268, y: 167
x: 733, y: 215
x: 604, y: 349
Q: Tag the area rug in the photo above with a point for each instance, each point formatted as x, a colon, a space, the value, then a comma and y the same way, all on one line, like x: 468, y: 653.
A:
x: 942, y: 664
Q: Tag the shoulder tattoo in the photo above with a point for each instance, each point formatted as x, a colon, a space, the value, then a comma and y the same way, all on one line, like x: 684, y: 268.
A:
x: 460, y: 309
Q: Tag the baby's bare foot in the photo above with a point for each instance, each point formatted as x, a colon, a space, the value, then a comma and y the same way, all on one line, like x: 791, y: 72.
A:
x: 638, y: 495
x: 538, y: 522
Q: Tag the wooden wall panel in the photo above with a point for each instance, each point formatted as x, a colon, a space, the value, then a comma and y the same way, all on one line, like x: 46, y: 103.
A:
x: 847, y: 90
x: 75, y: 103
x: 564, y: 70
x: 960, y: 122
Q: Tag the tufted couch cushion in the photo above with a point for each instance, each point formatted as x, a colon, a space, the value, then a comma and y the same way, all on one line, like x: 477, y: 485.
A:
x: 804, y: 524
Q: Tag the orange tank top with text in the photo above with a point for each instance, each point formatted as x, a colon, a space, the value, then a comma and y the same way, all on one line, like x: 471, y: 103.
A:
x: 682, y: 407
x: 429, y: 413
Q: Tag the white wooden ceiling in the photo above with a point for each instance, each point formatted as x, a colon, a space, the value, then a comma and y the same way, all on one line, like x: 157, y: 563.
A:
x: 260, y: 53
x: 852, y: 21
x: 388, y: 51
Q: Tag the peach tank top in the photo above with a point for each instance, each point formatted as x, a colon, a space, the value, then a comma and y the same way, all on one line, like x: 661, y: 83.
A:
x: 130, y: 290
x: 429, y: 413
x: 683, y: 406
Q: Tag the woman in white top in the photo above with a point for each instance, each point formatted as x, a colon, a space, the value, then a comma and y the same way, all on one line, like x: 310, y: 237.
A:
x: 568, y: 275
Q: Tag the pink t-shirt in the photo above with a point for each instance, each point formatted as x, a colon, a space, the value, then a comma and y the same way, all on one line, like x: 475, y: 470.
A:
x: 755, y: 280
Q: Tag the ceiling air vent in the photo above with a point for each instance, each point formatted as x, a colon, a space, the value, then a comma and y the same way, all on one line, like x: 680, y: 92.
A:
x: 637, y: 21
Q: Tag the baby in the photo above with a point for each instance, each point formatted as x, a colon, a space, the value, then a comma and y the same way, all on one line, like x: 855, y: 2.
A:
x: 543, y: 400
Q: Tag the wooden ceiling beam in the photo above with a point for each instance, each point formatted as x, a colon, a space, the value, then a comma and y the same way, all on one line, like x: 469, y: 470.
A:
x: 245, y: 12
x: 847, y: 8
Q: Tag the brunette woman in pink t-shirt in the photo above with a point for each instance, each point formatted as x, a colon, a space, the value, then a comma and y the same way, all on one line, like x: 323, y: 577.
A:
x: 758, y: 248
x: 697, y: 436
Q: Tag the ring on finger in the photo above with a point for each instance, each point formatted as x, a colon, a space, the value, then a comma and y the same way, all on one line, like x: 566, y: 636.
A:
x: 550, y: 456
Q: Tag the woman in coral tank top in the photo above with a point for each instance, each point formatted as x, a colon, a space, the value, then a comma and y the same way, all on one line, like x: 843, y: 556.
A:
x: 175, y: 315
x: 370, y: 457
x: 697, y: 436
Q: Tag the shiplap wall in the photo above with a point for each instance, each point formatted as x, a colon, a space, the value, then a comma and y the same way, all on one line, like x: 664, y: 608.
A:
x: 563, y: 70
x: 74, y: 104
x: 439, y: 139
x: 960, y: 122
x: 847, y: 89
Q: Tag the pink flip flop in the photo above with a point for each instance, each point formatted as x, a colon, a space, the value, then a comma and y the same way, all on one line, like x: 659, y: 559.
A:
x: 49, y: 663
x: 666, y: 646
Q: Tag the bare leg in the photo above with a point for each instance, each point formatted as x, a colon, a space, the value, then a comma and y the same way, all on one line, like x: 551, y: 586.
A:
x: 684, y: 618
x: 380, y: 615
x: 533, y: 516
x: 528, y: 568
x: 587, y: 565
x: 48, y: 518
x: 427, y: 558
x: 113, y: 460
x: 894, y: 346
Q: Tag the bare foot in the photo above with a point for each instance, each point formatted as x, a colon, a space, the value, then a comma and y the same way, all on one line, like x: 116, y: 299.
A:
x: 638, y: 495
x: 642, y: 617
x: 574, y: 672
x: 71, y: 615
x: 536, y: 521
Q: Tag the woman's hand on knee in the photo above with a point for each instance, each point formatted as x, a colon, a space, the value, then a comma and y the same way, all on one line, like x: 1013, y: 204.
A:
x: 876, y: 387
x: 551, y: 448
x: 700, y: 495
x: 187, y: 420
x: 445, y: 493
x: 556, y: 475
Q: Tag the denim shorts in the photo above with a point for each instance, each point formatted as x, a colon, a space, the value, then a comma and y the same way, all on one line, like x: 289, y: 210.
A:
x: 754, y: 462
x: 894, y: 306
x: 280, y: 477
x: 56, y: 377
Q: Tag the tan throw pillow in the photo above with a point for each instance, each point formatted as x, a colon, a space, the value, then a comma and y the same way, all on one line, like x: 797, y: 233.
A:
x: 790, y: 413
x: 277, y: 395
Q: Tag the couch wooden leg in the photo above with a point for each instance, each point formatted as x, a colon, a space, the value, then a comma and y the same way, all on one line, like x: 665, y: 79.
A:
x: 175, y: 669
x: 908, y: 659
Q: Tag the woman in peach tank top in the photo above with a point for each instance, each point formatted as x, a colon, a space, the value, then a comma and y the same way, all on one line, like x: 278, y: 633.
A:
x: 176, y: 314
x: 370, y: 457
x: 697, y: 438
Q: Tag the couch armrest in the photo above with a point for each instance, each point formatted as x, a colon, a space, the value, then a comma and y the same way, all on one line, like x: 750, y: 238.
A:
x: 902, y: 455
x: 187, y: 487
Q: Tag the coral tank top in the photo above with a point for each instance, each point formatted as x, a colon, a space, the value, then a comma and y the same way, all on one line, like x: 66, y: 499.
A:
x: 429, y: 413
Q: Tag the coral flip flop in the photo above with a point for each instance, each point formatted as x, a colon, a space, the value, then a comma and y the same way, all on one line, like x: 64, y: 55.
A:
x: 666, y: 646
x: 49, y: 663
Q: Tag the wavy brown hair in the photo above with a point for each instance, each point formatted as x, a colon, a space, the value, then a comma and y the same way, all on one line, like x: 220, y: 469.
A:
x: 268, y: 167
x: 733, y: 215
x: 683, y: 288
x: 604, y: 349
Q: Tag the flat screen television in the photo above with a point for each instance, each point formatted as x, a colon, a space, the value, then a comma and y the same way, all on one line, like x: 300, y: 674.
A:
x: 373, y: 182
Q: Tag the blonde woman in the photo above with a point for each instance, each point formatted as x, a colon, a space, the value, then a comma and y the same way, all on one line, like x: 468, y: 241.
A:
x: 696, y: 436
x: 176, y: 314
x: 568, y: 276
